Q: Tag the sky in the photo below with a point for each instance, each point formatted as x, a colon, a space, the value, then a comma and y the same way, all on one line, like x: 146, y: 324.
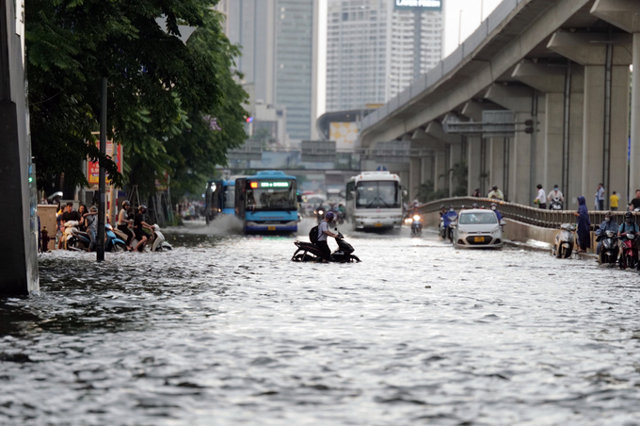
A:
x: 461, y: 18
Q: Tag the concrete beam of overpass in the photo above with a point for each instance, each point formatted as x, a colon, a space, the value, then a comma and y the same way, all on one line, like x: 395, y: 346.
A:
x: 490, y: 53
x: 591, y: 48
x: 546, y: 78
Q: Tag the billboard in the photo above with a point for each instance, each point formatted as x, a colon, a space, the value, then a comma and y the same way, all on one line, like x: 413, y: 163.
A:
x: 93, y: 167
x: 418, y: 4
x: 344, y: 133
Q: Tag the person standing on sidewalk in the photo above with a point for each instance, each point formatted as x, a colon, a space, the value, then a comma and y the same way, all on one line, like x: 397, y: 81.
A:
x: 541, y: 199
x: 600, y: 197
x: 614, y: 201
x: 584, y: 225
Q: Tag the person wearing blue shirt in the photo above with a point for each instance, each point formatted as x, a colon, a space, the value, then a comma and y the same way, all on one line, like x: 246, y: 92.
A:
x: 607, y: 225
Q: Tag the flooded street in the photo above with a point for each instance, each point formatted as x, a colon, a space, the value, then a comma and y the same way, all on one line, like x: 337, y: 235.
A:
x: 226, y: 330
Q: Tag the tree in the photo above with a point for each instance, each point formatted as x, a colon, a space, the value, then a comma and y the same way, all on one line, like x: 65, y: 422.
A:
x: 175, y: 107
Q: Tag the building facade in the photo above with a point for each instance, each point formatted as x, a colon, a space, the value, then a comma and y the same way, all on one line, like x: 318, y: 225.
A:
x: 279, y: 44
x: 376, y: 49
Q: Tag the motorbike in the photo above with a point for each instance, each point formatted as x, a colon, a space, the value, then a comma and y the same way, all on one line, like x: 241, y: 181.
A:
x: 448, y: 222
x: 564, y: 241
x: 555, y: 204
x: 416, y: 225
x: 73, y: 238
x: 609, y: 249
x: 156, y: 241
x: 112, y: 241
x: 309, y: 252
x: 319, y: 213
x: 629, y: 255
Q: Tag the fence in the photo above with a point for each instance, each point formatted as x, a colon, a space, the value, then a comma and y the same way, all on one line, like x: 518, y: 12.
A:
x: 525, y: 214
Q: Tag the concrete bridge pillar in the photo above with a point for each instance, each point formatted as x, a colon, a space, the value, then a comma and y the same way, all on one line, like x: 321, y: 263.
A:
x: 415, y: 167
x: 475, y: 163
x: 444, y: 159
x: 625, y: 14
x: 606, y: 60
x: 18, y: 267
x: 519, y: 100
x: 498, y: 166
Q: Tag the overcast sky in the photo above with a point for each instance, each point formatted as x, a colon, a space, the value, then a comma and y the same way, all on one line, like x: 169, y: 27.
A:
x: 468, y: 13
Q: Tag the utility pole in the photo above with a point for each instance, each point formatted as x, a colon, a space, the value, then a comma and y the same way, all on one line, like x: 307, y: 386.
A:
x: 101, y: 179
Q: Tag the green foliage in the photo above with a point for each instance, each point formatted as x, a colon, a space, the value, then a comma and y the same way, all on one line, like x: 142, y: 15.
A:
x: 426, y: 192
x: 459, y: 174
x: 161, y: 93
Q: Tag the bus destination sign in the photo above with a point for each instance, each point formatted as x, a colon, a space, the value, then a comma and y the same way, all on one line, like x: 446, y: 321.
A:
x: 269, y: 184
x: 419, y: 4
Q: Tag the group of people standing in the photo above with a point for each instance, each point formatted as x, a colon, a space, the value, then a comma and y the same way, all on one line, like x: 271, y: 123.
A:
x: 556, y: 196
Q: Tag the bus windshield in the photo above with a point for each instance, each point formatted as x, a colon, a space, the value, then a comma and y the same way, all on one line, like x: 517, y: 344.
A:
x: 271, y: 195
x: 377, y: 194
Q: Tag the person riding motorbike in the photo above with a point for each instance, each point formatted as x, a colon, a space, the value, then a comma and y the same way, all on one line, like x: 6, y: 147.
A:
x: 447, y: 219
x: 629, y: 226
x: 138, y: 227
x: 323, y: 232
x: 555, y: 198
x: 124, y: 221
x: 607, y: 225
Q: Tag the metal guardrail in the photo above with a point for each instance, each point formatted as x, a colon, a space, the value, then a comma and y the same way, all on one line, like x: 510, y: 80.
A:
x: 525, y: 214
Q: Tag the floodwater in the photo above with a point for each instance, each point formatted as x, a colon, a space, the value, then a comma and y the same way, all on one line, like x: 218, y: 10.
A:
x: 226, y: 330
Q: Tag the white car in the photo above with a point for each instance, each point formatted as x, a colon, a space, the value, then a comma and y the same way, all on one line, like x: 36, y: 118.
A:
x: 477, y: 228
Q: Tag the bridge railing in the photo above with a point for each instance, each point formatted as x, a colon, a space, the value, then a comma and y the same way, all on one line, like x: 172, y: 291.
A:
x: 530, y: 215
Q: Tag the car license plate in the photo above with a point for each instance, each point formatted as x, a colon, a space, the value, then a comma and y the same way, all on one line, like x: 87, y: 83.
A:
x: 378, y: 225
x: 478, y: 239
x: 271, y: 228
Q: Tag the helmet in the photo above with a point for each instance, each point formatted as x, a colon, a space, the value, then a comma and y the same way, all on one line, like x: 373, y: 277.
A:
x: 330, y: 216
x: 125, y: 203
x: 628, y: 216
x: 494, y: 187
x: 142, y: 207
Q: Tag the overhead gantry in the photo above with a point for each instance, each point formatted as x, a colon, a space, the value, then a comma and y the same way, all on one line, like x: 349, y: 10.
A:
x: 560, y: 70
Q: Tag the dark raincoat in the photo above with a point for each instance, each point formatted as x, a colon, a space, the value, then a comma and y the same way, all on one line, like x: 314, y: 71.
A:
x: 584, y: 226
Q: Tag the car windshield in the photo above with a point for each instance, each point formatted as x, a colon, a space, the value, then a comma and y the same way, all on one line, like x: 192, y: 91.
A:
x: 478, y: 218
x: 271, y: 195
x: 382, y: 194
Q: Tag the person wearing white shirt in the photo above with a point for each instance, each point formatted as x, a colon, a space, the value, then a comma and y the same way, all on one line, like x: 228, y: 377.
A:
x: 541, y: 199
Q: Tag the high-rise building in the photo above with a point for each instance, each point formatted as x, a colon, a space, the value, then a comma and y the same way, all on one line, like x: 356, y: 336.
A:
x: 376, y: 48
x: 279, y: 44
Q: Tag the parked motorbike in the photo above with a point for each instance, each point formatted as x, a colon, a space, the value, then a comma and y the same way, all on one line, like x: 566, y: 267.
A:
x: 73, y: 238
x: 309, y: 252
x: 564, y: 241
x: 629, y: 255
x: 112, y: 241
x: 609, y: 249
x: 416, y: 225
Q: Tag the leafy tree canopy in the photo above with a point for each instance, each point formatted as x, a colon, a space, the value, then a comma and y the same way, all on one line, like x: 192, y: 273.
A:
x: 176, y: 107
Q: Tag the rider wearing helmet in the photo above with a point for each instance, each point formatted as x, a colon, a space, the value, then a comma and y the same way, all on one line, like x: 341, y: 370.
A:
x: 629, y: 225
x: 323, y: 232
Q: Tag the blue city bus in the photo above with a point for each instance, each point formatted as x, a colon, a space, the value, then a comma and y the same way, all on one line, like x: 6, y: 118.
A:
x: 219, y: 198
x: 267, y: 202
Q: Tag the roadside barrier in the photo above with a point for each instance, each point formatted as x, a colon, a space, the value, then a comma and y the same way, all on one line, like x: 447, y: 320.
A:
x: 530, y: 215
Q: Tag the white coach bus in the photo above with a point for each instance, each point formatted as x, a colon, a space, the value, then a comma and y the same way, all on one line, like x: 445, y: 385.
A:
x: 374, y: 201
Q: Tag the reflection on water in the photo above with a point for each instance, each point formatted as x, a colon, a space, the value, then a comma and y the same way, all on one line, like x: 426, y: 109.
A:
x: 225, y: 329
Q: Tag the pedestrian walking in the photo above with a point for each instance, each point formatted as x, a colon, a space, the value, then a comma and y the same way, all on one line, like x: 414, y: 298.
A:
x: 541, y: 198
x: 614, y: 201
x: 599, y: 204
x: 584, y: 225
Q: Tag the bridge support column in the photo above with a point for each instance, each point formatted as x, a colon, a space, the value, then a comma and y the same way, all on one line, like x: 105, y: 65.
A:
x: 606, y: 62
x: 475, y: 163
x: 626, y: 15
x: 414, y: 177
x: 18, y: 270
x: 440, y: 180
x: 518, y: 99
x: 498, y: 149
